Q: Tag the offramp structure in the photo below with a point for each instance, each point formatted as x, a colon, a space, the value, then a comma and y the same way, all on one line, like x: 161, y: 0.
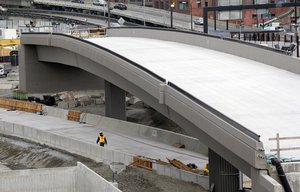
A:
x: 218, y: 95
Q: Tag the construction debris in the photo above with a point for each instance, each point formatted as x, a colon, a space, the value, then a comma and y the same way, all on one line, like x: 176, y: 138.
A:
x: 179, y: 145
x: 141, y: 162
x: 178, y: 164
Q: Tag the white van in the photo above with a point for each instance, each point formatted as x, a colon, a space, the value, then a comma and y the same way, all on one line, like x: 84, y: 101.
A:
x: 100, y: 2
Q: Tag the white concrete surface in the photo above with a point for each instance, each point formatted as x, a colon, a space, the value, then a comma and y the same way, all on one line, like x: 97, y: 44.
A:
x: 262, y: 98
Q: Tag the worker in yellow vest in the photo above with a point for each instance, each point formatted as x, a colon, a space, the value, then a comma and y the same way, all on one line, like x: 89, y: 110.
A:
x: 206, y: 169
x: 101, y: 139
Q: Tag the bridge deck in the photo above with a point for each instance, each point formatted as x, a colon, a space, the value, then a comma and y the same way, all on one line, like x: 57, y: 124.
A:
x: 262, y: 98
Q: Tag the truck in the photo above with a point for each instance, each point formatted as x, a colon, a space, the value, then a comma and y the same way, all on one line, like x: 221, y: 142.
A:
x: 5, y: 68
x: 100, y: 2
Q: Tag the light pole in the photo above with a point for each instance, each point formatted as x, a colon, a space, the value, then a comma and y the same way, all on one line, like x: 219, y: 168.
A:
x: 144, y: 11
x: 172, y: 7
x: 191, y: 11
x: 108, y: 12
x: 297, y: 39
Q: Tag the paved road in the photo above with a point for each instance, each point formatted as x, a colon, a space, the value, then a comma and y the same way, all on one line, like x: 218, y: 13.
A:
x: 88, y: 134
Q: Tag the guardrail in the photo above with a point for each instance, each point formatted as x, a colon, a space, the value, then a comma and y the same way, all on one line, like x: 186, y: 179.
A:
x: 278, y: 149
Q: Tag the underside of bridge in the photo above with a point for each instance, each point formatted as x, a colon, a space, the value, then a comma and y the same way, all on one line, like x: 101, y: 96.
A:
x: 57, y: 62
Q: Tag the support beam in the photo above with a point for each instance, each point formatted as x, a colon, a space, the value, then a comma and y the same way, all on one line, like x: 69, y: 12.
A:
x: 114, y: 102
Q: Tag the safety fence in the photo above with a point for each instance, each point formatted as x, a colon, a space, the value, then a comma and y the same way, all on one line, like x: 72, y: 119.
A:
x: 13, y: 104
x: 278, y: 149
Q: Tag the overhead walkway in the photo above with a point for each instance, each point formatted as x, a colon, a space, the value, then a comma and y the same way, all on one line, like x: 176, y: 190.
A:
x: 232, y: 100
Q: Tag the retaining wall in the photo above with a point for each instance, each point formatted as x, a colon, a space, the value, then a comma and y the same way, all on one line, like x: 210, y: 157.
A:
x: 88, y: 180
x: 39, y: 180
x: 62, y: 179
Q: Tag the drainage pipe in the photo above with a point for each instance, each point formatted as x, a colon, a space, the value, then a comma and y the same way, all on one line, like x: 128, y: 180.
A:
x: 281, y: 175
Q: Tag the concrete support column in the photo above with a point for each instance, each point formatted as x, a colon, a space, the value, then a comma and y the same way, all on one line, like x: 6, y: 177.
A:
x: 114, y: 102
x: 222, y: 175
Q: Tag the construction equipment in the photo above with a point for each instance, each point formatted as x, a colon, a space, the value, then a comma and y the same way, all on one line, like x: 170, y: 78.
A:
x: 9, y: 42
x: 5, y: 43
x: 269, y: 22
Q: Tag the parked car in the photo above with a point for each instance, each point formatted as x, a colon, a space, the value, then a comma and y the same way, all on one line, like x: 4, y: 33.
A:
x: 78, y: 1
x: 3, y: 8
x: 120, y: 6
x: 198, y: 21
x: 100, y: 2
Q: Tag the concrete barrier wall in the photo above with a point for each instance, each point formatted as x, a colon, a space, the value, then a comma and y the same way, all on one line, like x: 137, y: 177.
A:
x: 38, y: 180
x: 92, y: 151
x: 63, y: 179
x: 55, y: 112
x: 176, y: 173
x: 145, y: 132
x: 88, y: 180
x: 133, y: 129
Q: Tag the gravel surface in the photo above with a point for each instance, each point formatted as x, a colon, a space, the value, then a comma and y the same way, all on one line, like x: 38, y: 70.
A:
x: 17, y: 153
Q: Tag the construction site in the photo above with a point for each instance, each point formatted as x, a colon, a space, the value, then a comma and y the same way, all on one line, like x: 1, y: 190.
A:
x: 166, y: 127
x: 139, y: 169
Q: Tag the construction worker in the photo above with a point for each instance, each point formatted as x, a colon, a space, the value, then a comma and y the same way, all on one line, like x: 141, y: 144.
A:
x: 206, y: 169
x: 101, y: 139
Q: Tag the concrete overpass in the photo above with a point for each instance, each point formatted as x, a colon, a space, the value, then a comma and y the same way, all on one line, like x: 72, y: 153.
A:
x: 55, y: 62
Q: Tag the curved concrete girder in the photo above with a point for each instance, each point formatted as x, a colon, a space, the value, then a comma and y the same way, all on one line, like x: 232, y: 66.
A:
x: 96, y: 69
x: 243, y: 157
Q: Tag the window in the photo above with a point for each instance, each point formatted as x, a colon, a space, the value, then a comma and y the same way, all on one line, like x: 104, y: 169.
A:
x: 183, y: 5
x: 199, y: 3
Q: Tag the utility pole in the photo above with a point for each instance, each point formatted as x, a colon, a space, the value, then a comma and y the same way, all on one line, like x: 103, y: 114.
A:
x: 108, y: 8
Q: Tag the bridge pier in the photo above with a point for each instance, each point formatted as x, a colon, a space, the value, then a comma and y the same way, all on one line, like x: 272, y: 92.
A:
x: 223, y: 177
x: 114, y: 101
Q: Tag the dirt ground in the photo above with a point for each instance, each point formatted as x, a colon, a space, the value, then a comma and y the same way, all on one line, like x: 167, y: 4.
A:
x: 17, y: 153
